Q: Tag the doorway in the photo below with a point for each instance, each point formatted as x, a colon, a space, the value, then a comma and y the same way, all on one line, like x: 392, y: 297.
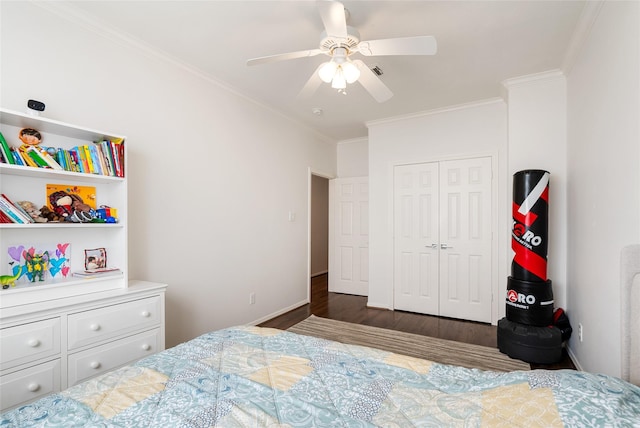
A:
x: 318, y: 228
x: 319, y: 225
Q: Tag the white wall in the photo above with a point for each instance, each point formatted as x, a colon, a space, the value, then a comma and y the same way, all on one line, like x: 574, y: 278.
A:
x: 209, y: 186
x: 471, y: 130
x: 353, y: 158
x: 604, y: 180
x: 537, y: 140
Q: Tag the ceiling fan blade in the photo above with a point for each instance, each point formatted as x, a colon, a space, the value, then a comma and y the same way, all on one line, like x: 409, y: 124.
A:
x: 312, y: 84
x: 372, y: 83
x: 419, y: 45
x: 284, y: 56
x: 333, y: 18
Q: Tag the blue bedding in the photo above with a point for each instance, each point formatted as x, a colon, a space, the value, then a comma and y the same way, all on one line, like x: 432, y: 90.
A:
x: 260, y: 377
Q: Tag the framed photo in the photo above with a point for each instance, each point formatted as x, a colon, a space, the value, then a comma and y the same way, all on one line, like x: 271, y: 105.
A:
x: 95, y: 259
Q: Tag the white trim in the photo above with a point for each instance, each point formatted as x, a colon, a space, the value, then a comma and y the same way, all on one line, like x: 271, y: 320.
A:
x: 353, y: 140
x: 464, y: 106
x: 581, y: 33
x: 322, y: 272
x: 278, y: 313
x: 532, y: 78
x: 575, y: 361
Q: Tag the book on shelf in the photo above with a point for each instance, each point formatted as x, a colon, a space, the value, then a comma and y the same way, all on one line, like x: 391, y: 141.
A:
x: 97, y: 273
x: 35, y: 155
x: 13, y: 211
x: 6, y: 151
x: 17, y: 157
x: 5, y: 218
x: 104, y: 157
x: 87, y: 194
x: 44, y: 154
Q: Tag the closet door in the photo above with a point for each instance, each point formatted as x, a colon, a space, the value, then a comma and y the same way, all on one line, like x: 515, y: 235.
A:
x: 465, y: 239
x: 416, y: 265
x: 442, y: 238
x: 349, y: 235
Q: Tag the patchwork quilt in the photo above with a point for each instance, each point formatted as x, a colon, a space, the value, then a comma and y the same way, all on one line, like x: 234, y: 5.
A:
x: 260, y: 377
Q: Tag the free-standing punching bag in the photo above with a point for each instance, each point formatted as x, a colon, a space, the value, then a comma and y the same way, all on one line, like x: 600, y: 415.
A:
x: 527, y: 332
x: 529, y: 293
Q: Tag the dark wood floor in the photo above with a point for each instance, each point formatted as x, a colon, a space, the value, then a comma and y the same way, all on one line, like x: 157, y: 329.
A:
x: 345, y: 307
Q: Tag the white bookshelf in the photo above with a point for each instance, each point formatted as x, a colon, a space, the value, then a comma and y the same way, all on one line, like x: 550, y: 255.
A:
x: 27, y: 183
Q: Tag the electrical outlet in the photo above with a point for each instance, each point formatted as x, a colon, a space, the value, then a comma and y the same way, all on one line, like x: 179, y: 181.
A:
x: 252, y: 298
x: 580, y: 332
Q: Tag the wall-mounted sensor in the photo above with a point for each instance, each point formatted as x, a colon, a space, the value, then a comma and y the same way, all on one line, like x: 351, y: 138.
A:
x: 35, y: 107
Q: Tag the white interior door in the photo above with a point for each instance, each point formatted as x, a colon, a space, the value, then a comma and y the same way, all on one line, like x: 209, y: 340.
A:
x: 416, y: 230
x: 465, y: 239
x: 443, y: 238
x: 349, y: 235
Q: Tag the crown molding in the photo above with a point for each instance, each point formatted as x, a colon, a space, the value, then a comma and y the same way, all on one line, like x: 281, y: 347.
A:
x: 532, y: 78
x: 464, y: 106
x: 581, y: 33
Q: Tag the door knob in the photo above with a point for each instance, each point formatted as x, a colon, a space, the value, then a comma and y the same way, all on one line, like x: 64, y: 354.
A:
x: 434, y: 246
x: 445, y: 246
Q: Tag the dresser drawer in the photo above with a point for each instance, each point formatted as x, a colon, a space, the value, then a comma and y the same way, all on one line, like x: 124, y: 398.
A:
x: 94, y: 361
x: 86, y: 328
x: 29, y: 384
x: 29, y: 342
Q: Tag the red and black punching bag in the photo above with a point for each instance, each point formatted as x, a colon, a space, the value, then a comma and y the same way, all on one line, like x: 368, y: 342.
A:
x: 530, y: 225
x: 529, y: 293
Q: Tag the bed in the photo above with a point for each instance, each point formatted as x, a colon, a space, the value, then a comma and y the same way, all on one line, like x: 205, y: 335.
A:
x: 250, y: 376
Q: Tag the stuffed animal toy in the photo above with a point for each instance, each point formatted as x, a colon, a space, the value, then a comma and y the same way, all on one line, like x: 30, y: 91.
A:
x: 71, y: 207
x: 33, y: 212
x: 51, y: 217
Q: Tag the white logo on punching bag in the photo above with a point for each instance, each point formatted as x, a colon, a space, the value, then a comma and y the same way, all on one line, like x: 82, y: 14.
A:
x: 523, y: 235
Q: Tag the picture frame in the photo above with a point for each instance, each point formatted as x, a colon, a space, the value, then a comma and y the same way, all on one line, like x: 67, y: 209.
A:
x: 95, y: 259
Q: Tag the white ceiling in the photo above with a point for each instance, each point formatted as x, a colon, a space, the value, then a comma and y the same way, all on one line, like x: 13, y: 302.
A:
x: 480, y: 44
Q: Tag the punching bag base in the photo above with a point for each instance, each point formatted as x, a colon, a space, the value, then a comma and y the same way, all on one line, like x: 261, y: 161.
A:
x: 532, y: 344
x: 529, y: 302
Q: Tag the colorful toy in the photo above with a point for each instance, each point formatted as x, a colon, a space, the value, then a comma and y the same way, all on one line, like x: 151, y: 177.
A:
x: 10, y: 280
x: 37, y: 265
x: 71, y: 207
x: 33, y: 212
x: 51, y: 216
x: 30, y: 136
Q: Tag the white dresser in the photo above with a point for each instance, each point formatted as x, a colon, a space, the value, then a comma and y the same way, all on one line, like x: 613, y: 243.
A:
x: 48, y: 346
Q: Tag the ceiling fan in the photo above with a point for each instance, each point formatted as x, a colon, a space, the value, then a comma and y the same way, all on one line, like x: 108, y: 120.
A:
x: 339, y: 41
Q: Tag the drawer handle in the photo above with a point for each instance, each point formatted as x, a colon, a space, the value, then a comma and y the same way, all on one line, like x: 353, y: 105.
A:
x: 146, y: 347
x: 34, y: 343
x: 146, y: 314
x: 33, y: 387
x: 95, y: 365
x: 95, y: 327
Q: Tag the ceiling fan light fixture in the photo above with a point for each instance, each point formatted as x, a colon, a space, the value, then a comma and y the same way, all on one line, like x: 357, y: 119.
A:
x: 339, y: 81
x: 327, y: 71
x: 350, y: 71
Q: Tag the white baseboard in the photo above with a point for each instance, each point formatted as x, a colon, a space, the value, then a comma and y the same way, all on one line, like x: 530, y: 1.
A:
x: 278, y: 313
x: 574, y: 359
x: 319, y: 273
